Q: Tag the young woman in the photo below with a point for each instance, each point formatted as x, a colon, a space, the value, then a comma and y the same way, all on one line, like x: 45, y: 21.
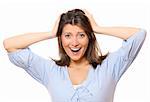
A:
x: 82, y: 74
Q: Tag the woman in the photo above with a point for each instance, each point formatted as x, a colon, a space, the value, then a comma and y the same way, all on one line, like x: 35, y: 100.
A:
x: 82, y: 74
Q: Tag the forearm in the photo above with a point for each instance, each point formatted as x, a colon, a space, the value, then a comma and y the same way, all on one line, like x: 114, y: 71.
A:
x: 120, y: 32
x: 22, y: 41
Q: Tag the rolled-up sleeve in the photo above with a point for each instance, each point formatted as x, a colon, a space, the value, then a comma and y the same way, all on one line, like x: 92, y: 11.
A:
x: 30, y: 62
x: 121, y: 59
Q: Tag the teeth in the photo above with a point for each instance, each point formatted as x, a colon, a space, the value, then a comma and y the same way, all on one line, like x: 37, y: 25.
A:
x: 75, y: 49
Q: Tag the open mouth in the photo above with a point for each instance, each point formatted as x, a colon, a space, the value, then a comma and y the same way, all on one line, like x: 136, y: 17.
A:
x: 75, y: 49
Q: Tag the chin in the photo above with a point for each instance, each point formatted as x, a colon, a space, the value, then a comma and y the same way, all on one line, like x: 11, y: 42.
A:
x: 75, y: 59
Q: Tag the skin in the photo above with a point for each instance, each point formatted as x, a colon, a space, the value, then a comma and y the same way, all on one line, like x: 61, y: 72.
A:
x: 73, y: 37
x: 79, y: 66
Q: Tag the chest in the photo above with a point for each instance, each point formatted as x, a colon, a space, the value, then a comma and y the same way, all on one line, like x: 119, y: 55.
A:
x: 98, y: 85
x: 77, y: 76
x: 97, y: 88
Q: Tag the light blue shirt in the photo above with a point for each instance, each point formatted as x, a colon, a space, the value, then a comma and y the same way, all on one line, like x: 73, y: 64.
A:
x: 100, y: 83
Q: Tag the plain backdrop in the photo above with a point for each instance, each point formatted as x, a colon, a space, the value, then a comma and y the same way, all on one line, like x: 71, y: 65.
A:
x: 22, y: 16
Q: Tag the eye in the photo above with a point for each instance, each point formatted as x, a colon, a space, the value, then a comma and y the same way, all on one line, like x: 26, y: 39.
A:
x: 67, y: 35
x: 81, y: 35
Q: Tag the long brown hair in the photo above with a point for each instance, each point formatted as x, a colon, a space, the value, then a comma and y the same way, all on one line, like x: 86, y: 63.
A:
x: 77, y: 17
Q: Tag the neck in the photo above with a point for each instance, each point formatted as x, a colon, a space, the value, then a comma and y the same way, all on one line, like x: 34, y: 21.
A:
x: 82, y: 62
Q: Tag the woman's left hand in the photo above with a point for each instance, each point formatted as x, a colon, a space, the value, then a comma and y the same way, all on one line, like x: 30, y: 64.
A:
x: 92, y: 21
x: 55, y: 27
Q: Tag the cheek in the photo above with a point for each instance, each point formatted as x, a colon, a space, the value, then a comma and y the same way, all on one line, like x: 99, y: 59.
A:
x: 85, y: 43
x: 65, y: 43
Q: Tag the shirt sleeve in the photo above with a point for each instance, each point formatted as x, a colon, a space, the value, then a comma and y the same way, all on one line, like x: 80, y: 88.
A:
x: 120, y: 60
x: 33, y: 64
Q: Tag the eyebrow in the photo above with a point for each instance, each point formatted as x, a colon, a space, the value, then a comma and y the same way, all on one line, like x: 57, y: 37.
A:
x: 82, y: 32
x: 71, y: 33
x: 66, y: 33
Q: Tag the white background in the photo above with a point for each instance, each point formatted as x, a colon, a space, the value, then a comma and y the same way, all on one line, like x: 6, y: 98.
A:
x: 22, y: 16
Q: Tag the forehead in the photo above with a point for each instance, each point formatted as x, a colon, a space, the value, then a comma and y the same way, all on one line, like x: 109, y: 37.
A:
x: 72, y: 28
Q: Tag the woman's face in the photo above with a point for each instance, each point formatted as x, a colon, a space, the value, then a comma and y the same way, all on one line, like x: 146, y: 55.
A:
x: 74, y: 41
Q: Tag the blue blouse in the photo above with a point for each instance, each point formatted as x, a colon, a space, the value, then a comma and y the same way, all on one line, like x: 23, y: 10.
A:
x: 100, y: 83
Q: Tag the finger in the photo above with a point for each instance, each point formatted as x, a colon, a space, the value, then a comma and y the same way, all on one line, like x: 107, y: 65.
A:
x: 87, y: 13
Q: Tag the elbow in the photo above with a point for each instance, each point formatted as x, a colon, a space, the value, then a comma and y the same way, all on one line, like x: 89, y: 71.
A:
x: 145, y: 32
x: 7, y: 45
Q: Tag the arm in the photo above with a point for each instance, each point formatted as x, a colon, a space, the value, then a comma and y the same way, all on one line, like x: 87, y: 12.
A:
x: 22, y: 41
x: 120, y: 32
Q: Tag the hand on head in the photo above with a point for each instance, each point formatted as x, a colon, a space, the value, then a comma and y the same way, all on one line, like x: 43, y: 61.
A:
x: 55, y: 28
x: 84, y: 11
x: 91, y: 18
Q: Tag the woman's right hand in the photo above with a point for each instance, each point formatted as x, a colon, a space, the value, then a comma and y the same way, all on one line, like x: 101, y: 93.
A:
x: 92, y: 20
x: 24, y: 40
x: 55, y: 28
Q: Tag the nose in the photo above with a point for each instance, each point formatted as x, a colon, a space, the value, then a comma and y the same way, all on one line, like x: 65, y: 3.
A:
x: 75, y: 42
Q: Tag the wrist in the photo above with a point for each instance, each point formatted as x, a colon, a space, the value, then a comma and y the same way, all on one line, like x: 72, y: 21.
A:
x: 97, y: 29
x: 52, y: 34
